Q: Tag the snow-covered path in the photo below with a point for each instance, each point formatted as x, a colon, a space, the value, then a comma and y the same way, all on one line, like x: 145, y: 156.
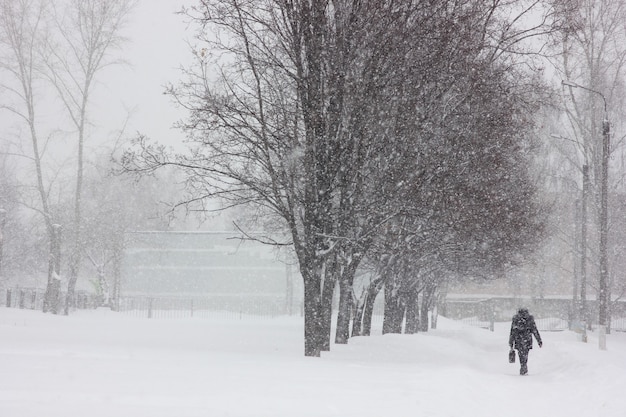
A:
x: 99, y: 363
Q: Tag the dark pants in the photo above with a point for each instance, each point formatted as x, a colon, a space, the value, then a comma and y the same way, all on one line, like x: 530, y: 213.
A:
x: 523, y: 361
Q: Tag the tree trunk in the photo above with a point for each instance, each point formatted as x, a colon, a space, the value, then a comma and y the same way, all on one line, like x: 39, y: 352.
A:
x: 76, y: 256
x: 434, y: 317
x: 423, y: 323
x: 53, y: 289
x: 47, y: 298
x: 346, y: 301
x: 412, y: 311
x: 368, y: 310
x: 327, y: 310
x: 394, y: 310
x: 427, y: 298
x: 71, y: 286
x: 312, y: 316
x: 117, y: 273
x: 345, y: 307
x: 357, y: 320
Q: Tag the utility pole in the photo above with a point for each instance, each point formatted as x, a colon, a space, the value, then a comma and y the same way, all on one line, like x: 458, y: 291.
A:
x: 583, y: 254
x: 604, y: 270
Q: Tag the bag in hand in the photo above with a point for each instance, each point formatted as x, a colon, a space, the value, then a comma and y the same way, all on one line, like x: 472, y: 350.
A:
x: 511, y: 356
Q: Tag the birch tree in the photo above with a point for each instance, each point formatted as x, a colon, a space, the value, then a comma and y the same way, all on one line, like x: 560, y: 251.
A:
x: 63, y: 46
x: 88, y: 32
x: 23, y: 27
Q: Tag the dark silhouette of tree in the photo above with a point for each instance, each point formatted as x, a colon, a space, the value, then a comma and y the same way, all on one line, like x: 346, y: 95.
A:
x: 342, y: 118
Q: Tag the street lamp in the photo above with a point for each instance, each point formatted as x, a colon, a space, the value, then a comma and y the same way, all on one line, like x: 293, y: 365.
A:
x: 604, y: 270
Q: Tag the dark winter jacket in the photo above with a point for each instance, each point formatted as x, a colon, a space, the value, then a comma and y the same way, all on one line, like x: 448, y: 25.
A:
x: 523, y: 328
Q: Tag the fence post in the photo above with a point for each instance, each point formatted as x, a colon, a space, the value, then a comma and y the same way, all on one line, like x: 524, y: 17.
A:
x: 8, y: 297
x: 192, y: 307
x: 149, y: 308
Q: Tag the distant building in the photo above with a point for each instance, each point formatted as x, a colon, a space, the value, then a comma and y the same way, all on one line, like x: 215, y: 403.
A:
x: 217, y: 265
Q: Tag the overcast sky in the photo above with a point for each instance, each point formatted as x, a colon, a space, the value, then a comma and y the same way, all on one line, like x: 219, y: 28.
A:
x: 156, y: 48
x: 157, y: 45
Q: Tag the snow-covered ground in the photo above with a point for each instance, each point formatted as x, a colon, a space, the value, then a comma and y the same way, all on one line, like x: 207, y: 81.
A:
x: 99, y: 363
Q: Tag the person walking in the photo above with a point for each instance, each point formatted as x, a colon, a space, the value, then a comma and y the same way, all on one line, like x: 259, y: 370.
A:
x: 523, y: 328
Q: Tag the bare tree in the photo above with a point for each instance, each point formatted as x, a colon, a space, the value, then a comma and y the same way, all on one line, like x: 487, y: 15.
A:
x: 271, y: 130
x: 66, y: 45
x: 23, y: 27
x: 322, y: 113
x: 8, y: 202
x: 89, y: 30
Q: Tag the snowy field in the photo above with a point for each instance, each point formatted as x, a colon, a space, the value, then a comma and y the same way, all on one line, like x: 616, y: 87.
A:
x: 101, y: 364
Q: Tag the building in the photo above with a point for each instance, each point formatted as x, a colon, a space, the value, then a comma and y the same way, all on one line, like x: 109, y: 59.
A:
x: 217, y: 266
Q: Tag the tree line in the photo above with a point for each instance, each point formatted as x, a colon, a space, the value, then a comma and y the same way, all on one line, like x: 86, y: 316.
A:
x: 389, y: 145
x: 393, y: 135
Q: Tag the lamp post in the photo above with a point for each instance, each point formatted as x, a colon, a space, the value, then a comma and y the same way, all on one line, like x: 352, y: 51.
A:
x: 604, y: 270
x: 583, y: 254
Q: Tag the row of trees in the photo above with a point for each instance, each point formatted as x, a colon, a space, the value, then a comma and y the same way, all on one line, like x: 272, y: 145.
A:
x: 394, y: 134
x: 393, y: 138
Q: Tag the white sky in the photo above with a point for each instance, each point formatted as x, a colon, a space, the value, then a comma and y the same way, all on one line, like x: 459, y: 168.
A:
x: 156, y: 48
x: 157, y: 45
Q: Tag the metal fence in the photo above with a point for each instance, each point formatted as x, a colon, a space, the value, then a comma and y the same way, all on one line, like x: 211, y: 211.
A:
x: 550, y: 324
x: 550, y: 314
x: 162, y: 307
x: 33, y: 299
x: 30, y: 298
x: 555, y: 314
x: 227, y: 307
